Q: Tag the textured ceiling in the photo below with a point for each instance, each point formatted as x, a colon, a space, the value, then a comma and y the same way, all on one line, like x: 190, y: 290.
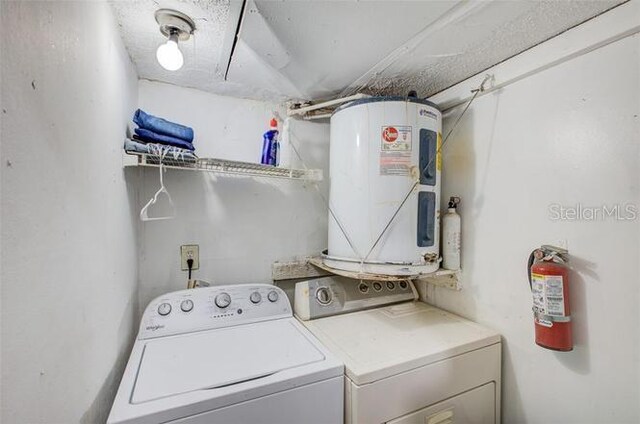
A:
x: 206, y: 53
x: 296, y: 49
x: 470, y: 39
x: 315, y: 49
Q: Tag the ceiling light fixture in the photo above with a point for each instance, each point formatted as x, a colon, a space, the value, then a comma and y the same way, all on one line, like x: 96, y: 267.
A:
x: 176, y: 26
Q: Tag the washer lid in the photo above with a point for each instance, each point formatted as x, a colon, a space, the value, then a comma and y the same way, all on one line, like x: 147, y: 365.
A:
x: 219, y: 358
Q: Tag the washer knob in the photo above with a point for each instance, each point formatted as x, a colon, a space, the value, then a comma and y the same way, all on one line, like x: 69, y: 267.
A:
x: 255, y: 297
x: 377, y: 286
x: 391, y: 285
x: 323, y: 296
x: 223, y: 300
x: 272, y: 296
x: 164, y: 309
x: 186, y: 305
x: 363, y: 287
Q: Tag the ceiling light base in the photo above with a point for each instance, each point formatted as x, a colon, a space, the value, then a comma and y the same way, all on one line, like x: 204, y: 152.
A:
x: 174, y: 22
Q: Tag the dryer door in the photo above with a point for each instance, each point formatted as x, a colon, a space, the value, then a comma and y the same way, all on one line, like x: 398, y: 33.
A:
x: 477, y: 406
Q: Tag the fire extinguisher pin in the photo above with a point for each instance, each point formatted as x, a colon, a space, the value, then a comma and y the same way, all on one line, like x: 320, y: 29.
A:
x: 551, y: 248
x: 552, y: 253
x: 555, y: 258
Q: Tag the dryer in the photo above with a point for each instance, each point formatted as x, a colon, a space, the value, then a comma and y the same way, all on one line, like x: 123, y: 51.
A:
x: 405, y: 361
x: 228, y: 354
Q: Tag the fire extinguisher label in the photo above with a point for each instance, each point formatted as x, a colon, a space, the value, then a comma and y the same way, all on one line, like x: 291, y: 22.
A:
x: 548, y: 294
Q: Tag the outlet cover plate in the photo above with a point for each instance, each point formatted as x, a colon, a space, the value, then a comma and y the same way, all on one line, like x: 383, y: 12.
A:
x: 189, y: 251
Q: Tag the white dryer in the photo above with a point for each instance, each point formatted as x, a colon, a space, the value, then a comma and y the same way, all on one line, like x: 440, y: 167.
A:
x: 227, y: 354
x: 405, y: 361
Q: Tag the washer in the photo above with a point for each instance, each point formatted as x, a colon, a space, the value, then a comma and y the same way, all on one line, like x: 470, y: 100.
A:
x: 405, y: 361
x: 228, y: 354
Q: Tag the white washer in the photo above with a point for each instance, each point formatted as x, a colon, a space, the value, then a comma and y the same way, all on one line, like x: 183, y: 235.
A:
x: 405, y: 361
x: 228, y: 354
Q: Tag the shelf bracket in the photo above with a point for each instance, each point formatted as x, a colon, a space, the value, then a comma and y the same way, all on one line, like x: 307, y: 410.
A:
x: 441, y: 278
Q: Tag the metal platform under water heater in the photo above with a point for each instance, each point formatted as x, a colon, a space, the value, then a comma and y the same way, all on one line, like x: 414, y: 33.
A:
x: 385, y: 187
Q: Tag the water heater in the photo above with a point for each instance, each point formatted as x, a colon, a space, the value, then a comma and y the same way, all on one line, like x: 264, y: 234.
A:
x: 380, y: 148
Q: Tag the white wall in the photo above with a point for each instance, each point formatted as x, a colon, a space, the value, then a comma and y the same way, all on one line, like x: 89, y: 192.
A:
x: 567, y: 135
x: 68, y: 235
x: 241, y: 224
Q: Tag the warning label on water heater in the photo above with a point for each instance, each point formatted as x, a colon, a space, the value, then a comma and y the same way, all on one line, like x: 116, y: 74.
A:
x: 395, y: 150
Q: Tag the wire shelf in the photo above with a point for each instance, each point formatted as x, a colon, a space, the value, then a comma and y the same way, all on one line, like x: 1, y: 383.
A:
x: 221, y: 166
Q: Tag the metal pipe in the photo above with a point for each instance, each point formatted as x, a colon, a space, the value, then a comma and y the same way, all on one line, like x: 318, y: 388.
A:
x: 310, y: 108
x: 314, y: 117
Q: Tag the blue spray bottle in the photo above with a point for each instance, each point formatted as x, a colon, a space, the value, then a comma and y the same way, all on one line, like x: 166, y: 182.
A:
x: 270, y: 145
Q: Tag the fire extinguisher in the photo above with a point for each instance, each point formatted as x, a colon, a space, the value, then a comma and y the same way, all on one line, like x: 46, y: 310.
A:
x: 549, y: 283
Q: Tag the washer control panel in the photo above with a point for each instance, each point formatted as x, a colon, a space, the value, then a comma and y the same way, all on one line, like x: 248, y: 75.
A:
x: 206, y: 308
x: 334, y: 295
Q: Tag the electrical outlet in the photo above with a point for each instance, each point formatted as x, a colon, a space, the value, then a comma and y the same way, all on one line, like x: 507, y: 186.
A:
x: 189, y: 251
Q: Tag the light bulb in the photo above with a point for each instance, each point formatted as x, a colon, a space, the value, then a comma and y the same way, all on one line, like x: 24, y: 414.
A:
x: 169, y: 55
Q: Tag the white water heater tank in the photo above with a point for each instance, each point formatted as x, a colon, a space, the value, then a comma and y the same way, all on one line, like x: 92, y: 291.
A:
x: 380, y: 147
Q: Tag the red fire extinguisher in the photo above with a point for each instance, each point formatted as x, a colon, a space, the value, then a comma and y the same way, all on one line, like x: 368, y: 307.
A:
x: 549, y: 283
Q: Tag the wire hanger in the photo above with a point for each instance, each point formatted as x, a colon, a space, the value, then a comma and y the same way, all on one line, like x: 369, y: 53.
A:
x: 163, y: 190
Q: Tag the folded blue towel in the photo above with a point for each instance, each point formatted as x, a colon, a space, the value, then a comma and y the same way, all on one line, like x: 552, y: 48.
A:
x: 134, y: 146
x: 153, y: 137
x: 162, y: 126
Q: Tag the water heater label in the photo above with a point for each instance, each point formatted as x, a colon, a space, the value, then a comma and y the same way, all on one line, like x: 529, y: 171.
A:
x: 395, y: 150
